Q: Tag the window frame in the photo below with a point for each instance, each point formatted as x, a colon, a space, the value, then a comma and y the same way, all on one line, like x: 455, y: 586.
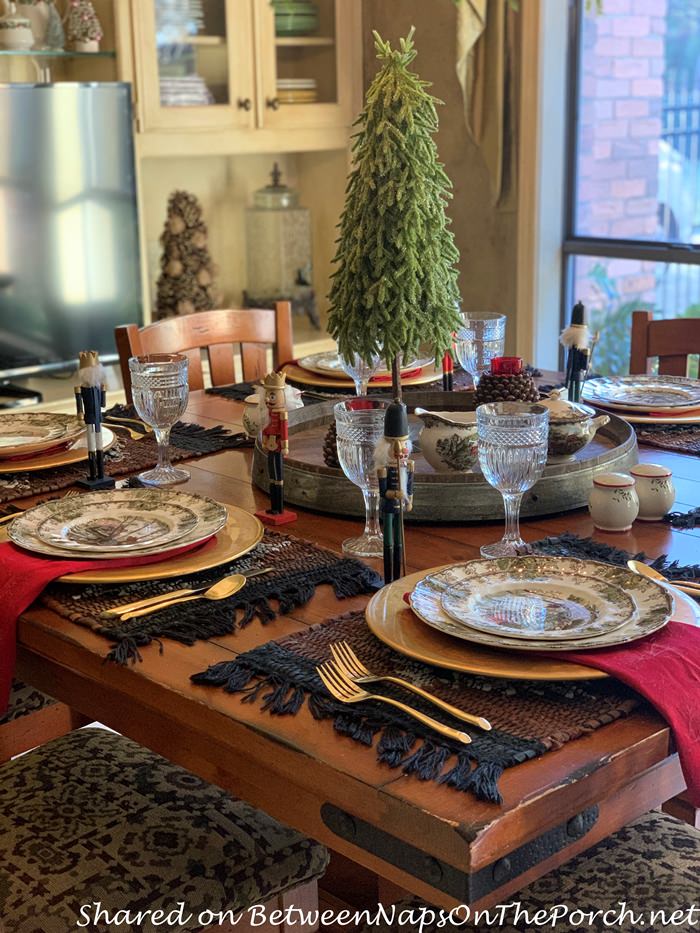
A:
x: 573, y: 244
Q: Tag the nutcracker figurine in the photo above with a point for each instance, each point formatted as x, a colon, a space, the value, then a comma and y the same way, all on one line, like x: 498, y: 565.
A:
x: 395, y: 475
x: 275, y: 441
x: 576, y: 339
x: 89, y: 402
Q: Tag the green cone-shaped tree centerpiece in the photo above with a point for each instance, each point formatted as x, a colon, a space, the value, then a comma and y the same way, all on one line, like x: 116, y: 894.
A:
x: 395, y: 283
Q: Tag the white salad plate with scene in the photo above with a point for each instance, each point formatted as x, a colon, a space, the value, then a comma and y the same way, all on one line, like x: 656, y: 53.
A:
x: 652, y: 604
x: 113, y: 523
x: 661, y: 394
x: 24, y: 433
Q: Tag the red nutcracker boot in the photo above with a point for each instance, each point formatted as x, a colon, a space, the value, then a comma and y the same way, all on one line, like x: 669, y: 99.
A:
x: 275, y: 441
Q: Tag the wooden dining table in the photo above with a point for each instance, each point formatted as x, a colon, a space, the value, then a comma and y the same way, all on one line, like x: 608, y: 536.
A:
x: 442, y: 845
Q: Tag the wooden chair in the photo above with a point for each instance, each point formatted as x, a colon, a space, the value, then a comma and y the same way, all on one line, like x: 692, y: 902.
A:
x: 672, y: 341
x: 254, y: 330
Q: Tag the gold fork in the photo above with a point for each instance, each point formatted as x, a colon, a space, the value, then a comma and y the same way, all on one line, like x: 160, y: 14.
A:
x: 8, y: 518
x: 134, y: 435
x: 355, y: 670
x: 343, y: 689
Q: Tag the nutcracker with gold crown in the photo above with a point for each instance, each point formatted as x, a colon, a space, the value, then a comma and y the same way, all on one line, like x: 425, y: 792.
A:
x: 275, y: 442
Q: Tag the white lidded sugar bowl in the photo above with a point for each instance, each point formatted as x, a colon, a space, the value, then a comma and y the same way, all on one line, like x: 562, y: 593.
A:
x: 613, y: 502
x: 15, y: 31
x: 655, y: 491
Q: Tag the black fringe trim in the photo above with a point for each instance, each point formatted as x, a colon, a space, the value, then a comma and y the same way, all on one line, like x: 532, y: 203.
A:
x: 194, y: 622
x: 570, y: 545
x: 281, y: 682
x: 191, y: 437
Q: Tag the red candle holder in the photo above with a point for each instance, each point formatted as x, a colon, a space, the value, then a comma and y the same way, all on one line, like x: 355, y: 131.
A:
x: 506, y: 365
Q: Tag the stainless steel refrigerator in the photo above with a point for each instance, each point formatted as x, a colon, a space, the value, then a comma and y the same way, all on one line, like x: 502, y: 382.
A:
x: 69, y: 245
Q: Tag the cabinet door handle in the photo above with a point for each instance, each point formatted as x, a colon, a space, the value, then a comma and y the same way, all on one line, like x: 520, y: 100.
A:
x: 244, y: 103
x: 273, y: 103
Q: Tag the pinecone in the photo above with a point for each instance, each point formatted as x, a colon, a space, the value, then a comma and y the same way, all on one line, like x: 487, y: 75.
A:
x: 518, y: 388
x: 330, y: 447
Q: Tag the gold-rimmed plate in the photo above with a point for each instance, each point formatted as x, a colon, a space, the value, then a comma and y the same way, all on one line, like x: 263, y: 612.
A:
x: 303, y: 377
x: 208, y: 517
x: 644, y: 393
x: 74, y: 453
x: 652, y: 606
x: 29, y: 432
x: 394, y: 623
x: 329, y: 363
x: 539, y: 598
x: 241, y: 533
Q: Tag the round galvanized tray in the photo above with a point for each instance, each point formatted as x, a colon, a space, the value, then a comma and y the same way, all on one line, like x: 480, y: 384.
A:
x: 441, y: 497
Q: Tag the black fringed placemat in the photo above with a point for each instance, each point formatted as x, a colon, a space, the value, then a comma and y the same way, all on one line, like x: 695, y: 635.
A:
x: 298, y: 567
x: 126, y: 456
x: 681, y: 438
x: 528, y: 718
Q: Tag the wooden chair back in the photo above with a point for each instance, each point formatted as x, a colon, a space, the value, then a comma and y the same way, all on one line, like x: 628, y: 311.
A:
x: 672, y: 341
x: 252, y: 330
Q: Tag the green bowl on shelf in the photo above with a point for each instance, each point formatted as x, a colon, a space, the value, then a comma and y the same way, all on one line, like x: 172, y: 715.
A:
x: 295, y: 18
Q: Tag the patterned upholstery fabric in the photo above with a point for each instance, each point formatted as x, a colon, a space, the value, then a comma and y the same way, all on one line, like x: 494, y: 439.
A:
x: 24, y: 699
x: 94, y: 817
x: 651, y: 865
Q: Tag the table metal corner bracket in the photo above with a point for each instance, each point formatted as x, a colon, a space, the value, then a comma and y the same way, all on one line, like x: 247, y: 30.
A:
x: 461, y: 885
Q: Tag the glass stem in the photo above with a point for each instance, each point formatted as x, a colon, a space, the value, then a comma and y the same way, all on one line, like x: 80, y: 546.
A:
x: 163, y: 440
x: 371, y: 512
x: 511, y: 504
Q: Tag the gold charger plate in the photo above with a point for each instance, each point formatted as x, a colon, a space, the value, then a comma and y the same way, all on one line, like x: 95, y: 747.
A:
x: 240, y: 535
x: 390, y: 619
x: 300, y: 376
x: 657, y: 419
x: 73, y: 454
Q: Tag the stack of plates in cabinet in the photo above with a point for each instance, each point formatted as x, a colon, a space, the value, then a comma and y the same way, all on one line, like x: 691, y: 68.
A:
x: 187, y: 91
x: 297, y: 90
x: 647, y: 399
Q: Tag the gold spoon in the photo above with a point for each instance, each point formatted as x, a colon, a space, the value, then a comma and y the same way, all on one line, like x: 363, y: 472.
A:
x: 644, y: 570
x: 173, y: 594
x: 222, y: 589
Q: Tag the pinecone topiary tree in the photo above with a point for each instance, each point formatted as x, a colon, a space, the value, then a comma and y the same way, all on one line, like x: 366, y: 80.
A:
x: 186, y: 283
x: 395, y: 283
x: 82, y: 24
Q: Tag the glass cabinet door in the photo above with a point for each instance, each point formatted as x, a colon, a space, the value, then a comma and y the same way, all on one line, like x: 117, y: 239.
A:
x: 307, y: 73
x: 195, y: 63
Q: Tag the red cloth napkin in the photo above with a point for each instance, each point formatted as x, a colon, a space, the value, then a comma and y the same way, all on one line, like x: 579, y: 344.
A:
x: 665, y: 669
x: 405, y: 374
x: 24, y: 575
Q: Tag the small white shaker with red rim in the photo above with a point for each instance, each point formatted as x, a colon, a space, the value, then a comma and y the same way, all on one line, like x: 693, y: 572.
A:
x: 613, y: 502
x: 655, y: 491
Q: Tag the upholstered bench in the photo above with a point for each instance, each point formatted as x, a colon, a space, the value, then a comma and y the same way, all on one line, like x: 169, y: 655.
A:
x: 94, y: 818
x: 653, y: 864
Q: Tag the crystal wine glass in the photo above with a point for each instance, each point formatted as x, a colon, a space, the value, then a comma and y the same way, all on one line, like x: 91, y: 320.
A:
x: 160, y: 390
x: 512, y: 454
x: 360, y: 371
x: 479, y: 340
x: 360, y: 425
